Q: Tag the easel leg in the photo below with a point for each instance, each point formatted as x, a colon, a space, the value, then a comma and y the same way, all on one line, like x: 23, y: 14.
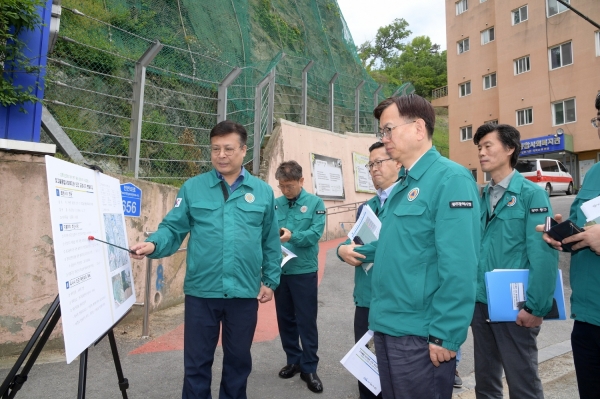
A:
x: 82, y: 374
x: 123, y: 383
x: 14, y: 382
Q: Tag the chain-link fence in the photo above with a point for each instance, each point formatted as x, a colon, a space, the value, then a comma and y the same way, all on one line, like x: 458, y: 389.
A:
x: 210, y: 68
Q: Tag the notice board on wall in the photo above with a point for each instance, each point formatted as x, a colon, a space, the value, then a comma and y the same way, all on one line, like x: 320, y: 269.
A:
x: 95, y: 280
x: 328, y: 180
x: 363, y: 183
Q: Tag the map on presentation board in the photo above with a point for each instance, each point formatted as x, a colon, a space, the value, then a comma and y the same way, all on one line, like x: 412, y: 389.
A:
x: 95, y: 280
x: 363, y: 183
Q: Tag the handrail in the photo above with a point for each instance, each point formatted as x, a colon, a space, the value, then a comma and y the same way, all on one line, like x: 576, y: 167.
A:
x: 439, y: 92
x: 146, y: 303
x: 353, y: 206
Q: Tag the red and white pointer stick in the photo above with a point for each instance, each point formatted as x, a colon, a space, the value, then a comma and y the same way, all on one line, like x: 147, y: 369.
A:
x: 125, y: 249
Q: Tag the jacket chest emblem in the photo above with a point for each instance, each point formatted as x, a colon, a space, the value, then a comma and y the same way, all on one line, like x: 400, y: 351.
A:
x: 304, y: 209
x: 413, y: 194
x: 512, y: 201
x: 249, y: 197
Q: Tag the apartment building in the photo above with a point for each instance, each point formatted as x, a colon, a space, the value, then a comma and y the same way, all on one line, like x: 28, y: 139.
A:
x: 532, y: 64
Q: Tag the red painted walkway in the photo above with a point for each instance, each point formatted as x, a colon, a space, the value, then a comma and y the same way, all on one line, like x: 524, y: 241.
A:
x: 266, y: 329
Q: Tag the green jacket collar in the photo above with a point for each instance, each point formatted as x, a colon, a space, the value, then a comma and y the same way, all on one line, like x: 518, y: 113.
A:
x: 423, y: 164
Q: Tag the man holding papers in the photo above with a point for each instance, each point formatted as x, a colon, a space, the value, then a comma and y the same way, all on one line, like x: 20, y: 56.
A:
x: 423, y: 283
x: 511, y: 207
x: 585, y: 282
x: 384, y: 172
x: 301, y: 218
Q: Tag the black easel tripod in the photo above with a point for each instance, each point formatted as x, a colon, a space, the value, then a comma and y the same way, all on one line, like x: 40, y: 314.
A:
x: 14, y: 382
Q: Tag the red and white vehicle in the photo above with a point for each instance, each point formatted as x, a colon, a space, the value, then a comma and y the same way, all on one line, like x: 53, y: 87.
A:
x: 549, y: 174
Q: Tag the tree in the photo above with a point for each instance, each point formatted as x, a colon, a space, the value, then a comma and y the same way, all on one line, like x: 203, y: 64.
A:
x: 387, y: 44
x: 16, y: 16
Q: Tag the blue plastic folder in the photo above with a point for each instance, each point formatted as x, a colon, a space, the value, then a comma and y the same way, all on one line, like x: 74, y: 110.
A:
x: 507, y: 287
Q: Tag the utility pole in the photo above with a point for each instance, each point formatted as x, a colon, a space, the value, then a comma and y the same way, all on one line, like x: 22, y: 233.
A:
x: 578, y: 13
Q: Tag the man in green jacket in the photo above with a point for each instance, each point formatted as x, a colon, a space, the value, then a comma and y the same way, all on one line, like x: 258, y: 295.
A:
x: 424, y: 278
x: 511, y: 207
x: 233, y: 259
x: 585, y: 280
x: 384, y: 172
x: 301, y: 218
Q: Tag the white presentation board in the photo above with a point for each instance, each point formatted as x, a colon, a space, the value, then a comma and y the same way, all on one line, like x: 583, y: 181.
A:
x: 95, y: 281
x: 363, y: 183
x: 328, y: 181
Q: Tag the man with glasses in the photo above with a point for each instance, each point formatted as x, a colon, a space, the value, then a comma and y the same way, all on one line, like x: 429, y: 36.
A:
x: 233, y: 262
x: 384, y: 173
x: 585, y: 282
x: 301, y: 218
x: 424, y: 278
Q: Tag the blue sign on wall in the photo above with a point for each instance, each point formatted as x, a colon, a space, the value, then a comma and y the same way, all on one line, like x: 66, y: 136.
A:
x: 542, y: 145
x: 132, y: 199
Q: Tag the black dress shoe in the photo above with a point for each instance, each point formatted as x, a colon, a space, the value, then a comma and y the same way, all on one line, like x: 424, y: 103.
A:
x: 313, y: 382
x: 289, y: 370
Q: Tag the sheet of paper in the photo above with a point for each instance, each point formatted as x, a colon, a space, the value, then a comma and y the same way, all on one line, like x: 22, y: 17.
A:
x: 518, y: 294
x: 367, y: 227
x: 591, y: 210
x: 286, y: 255
x: 362, y: 363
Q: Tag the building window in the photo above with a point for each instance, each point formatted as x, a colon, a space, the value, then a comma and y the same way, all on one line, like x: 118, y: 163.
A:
x: 522, y: 65
x: 487, y: 36
x: 492, y: 122
x: 561, y: 56
x: 474, y: 174
x: 464, y: 89
x: 482, y: 1
x: 489, y: 81
x: 525, y: 117
x: 554, y: 7
x: 463, y: 46
x: 564, y: 112
x: 466, y: 133
x: 487, y: 176
x: 598, y: 43
x: 461, y: 6
x: 519, y: 15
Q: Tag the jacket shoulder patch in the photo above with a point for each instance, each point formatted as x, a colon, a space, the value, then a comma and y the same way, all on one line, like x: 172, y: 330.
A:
x: 320, y: 212
x: 538, y: 210
x: 461, y: 204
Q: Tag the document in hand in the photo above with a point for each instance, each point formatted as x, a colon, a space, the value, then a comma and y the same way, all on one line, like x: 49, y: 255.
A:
x: 362, y: 363
x: 286, y: 255
x: 506, y: 293
x: 591, y: 210
x: 367, y: 229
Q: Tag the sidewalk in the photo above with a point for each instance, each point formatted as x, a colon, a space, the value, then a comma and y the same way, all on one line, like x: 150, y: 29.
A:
x: 154, y: 367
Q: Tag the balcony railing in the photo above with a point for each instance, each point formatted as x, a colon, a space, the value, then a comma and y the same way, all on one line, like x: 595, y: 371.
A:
x: 439, y: 92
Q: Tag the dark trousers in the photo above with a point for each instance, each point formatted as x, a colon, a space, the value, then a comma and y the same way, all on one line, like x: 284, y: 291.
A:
x: 406, y: 371
x: 203, y: 319
x: 361, y: 326
x: 296, y: 305
x: 509, y: 346
x: 585, y: 341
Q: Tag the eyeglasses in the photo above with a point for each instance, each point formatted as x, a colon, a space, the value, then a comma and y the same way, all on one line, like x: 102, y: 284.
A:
x: 227, y: 150
x: 373, y: 164
x: 286, y: 187
x: 386, y: 132
x: 596, y: 122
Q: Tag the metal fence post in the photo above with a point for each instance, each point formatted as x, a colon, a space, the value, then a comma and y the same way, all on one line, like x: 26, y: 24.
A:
x: 135, y: 130
x: 331, y: 99
x: 304, y: 111
x: 375, y: 104
x: 257, y: 124
x: 271, y: 103
x: 222, y: 93
x: 357, y: 106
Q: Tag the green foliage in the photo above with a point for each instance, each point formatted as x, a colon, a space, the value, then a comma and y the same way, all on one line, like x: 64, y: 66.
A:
x: 387, y: 45
x: 16, y: 16
x: 272, y: 22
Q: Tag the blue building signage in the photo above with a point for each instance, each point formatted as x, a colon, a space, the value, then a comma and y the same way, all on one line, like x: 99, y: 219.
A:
x: 132, y: 199
x: 542, y: 145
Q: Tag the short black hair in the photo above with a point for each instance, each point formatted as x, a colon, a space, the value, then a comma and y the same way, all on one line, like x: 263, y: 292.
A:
x: 375, y: 146
x: 598, y: 102
x: 227, y: 127
x: 289, y: 171
x: 410, y: 106
x: 508, y: 135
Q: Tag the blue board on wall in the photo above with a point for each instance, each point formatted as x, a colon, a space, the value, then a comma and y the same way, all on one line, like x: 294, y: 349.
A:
x: 132, y: 199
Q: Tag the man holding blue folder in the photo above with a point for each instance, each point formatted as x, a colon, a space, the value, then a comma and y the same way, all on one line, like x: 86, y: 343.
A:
x: 511, y: 207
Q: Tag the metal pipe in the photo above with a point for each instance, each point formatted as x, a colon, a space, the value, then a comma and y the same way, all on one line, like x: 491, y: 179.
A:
x: 357, y: 106
x: 304, y: 113
x: 147, y: 292
x: 331, y: 101
x: 222, y: 93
